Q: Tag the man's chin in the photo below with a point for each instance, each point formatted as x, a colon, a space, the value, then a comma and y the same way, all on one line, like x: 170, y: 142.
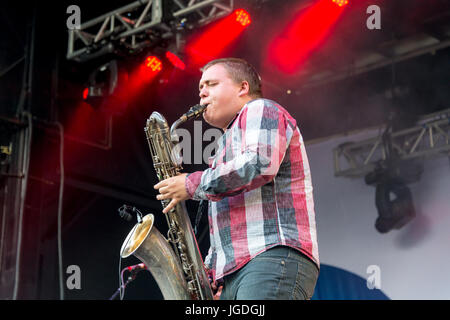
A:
x: 205, y: 117
x: 211, y: 122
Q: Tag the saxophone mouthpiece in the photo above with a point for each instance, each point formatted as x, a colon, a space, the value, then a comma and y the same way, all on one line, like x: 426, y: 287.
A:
x: 195, y: 111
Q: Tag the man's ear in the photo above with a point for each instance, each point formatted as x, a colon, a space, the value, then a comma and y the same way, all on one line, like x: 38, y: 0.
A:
x: 244, y: 89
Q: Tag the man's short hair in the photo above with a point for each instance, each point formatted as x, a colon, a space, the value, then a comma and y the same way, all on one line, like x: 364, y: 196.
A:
x: 240, y: 70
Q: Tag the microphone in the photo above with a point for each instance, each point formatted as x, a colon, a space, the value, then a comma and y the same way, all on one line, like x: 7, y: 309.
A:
x: 137, y: 267
x: 133, y: 273
x: 134, y: 270
x: 124, y: 213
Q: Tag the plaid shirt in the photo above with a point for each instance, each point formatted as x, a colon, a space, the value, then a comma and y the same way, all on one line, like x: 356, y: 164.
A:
x: 259, y: 187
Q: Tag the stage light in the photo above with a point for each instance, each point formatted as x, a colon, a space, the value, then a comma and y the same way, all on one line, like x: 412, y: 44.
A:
x: 175, y: 60
x: 153, y: 63
x: 242, y: 17
x: 393, y: 198
x: 94, y: 94
x: 341, y: 3
x: 394, y: 205
x: 101, y: 84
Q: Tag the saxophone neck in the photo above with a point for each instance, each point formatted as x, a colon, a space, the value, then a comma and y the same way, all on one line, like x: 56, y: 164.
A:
x: 194, y: 112
x: 176, y: 124
x: 173, y: 135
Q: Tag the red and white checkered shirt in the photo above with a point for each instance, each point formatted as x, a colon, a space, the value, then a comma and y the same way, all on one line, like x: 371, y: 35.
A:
x: 259, y: 187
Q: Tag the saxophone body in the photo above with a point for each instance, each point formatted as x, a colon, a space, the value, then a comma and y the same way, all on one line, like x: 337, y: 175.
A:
x: 175, y: 262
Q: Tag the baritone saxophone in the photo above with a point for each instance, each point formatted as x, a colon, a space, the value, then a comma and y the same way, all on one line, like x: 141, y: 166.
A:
x: 175, y: 262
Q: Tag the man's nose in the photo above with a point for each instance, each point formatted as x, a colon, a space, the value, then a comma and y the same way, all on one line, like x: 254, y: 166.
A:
x: 203, y: 93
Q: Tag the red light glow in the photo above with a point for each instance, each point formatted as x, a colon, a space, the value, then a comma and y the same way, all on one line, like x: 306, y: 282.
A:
x: 85, y: 93
x: 175, y: 60
x: 216, y: 38
x: 303, y: 35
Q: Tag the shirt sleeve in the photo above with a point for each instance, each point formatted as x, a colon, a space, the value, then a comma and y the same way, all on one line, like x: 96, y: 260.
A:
x: 256, y: 147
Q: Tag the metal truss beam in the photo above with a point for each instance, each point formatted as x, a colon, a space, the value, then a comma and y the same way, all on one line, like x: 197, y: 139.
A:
x: 130, y: 26
x: 430, y: 137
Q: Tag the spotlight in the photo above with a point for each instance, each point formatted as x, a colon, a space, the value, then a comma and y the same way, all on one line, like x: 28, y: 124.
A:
x: 393, y: 198
x: 93, y: 94
x: 242, y: 17
x: 341, y: 3
x: 153, y: 63
x: 394, y: 204
x: 101, y: 84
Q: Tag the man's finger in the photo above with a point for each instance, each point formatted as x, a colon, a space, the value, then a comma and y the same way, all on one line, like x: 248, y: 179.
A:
x: 163, y: 189
x: 160, y: 197
x: 218, y: 294
x: 170, y: 206
x: 160, y: 184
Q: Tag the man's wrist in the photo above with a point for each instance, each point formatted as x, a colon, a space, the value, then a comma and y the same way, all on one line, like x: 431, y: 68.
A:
x: 192, y: 182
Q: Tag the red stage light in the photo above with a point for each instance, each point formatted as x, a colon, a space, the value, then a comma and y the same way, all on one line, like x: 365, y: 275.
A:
x: 242, y: 17
x: 85, y: 93
x: 175, y: 60
x: 341, y: 3
x: 153, y: 63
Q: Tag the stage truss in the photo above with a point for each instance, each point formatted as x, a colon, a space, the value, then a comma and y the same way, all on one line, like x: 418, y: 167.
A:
x: 141, y: 24
x: 429, y: 138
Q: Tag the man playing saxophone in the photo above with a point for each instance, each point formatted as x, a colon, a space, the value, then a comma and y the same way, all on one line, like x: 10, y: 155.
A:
x: 258, y: 184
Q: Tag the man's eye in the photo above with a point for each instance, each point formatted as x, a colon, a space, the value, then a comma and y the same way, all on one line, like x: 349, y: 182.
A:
x: 209, y: 84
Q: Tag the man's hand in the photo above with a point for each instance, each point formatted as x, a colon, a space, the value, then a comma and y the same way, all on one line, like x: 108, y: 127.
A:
x: 217, y: 290
x: 172, y: 188
x: 215, y: 286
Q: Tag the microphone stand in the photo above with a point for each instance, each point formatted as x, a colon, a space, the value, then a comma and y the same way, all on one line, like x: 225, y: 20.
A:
x: 131, y: 277
x: 122, y: 287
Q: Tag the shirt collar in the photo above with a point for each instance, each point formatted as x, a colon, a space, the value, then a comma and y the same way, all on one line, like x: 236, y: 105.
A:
x: 232, y: 121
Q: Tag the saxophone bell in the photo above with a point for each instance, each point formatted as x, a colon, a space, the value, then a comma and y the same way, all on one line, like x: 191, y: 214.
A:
x: 147, y: 244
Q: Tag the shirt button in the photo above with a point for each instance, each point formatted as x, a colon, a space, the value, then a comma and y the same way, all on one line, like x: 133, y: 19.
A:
x: 282, y: 262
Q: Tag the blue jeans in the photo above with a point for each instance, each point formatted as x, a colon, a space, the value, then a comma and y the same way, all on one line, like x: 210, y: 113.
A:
x: 280, y: 273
